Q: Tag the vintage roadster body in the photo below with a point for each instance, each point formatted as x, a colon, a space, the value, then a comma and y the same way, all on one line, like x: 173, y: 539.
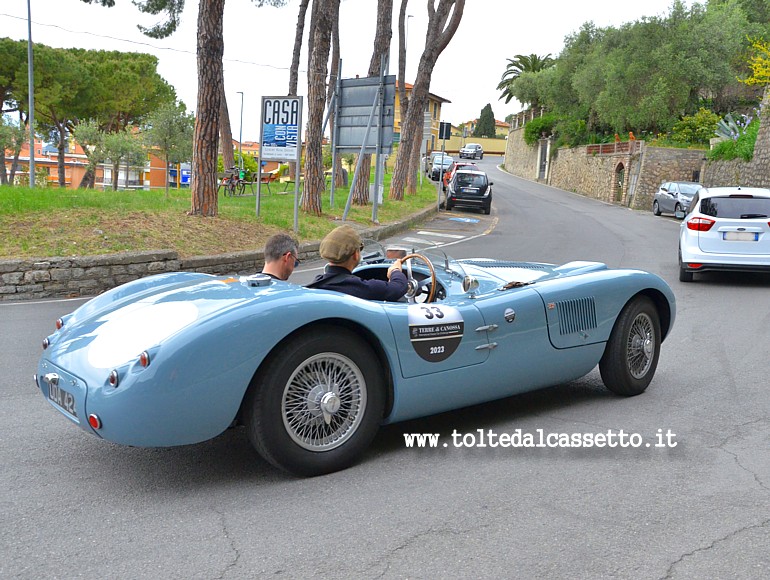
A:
x: 178, y: 358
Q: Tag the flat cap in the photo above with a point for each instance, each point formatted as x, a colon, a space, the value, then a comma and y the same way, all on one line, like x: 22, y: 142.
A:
x: 339, y: 244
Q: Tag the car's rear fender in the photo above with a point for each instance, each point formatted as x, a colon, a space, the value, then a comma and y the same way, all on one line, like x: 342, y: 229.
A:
x: 379, y: 339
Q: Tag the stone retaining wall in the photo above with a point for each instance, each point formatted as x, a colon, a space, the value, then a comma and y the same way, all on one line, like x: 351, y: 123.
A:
x: 754, y: 173
x: 78, y: 276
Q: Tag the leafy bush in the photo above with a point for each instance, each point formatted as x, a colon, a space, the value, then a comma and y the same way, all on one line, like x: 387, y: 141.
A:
x: 741, y: 147
x: 697, y: 128
x: 539, y: 127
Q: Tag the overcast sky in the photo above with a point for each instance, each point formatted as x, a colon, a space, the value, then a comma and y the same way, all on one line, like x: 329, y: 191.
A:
x: 259, y: 43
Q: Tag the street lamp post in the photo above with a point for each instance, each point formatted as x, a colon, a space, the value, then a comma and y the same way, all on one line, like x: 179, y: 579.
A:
x: 406, y: 41
x: 31, y: 90
x: 240, y: 134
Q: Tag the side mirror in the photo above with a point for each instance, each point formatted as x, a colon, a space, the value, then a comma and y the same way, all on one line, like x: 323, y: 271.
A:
x: 679, y: 215
x: 470, y: 284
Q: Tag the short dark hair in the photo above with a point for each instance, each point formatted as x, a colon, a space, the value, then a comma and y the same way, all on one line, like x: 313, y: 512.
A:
x: 278, y: 245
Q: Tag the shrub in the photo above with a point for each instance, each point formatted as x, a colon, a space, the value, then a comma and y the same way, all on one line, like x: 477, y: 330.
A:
x: 741, y: 147
x: 697, y: 128
x: 539, y: 127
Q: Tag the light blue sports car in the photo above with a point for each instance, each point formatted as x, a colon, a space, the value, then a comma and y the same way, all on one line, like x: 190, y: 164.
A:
x: 178, y: 358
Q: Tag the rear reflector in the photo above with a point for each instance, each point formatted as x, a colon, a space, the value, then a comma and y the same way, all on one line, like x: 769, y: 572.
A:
x: 94, y: 421
x: 694, y: 265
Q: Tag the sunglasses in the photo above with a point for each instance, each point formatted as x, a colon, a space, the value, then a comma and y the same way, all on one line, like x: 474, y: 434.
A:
x: 296, y: 259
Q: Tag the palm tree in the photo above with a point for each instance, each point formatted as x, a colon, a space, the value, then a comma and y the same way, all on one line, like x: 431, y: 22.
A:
x: 517, y: 65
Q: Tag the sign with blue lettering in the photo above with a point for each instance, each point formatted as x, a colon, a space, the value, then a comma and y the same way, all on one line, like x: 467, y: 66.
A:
x: 281, y: 128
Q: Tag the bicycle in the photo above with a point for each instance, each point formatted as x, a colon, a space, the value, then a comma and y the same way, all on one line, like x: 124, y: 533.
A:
x: 234, y: 183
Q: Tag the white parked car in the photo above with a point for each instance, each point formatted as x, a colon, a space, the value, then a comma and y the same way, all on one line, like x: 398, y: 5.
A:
x: 727, y: 228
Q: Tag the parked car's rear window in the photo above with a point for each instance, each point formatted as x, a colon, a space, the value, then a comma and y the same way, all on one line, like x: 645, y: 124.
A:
x: 736, y: 207
x: 471, y: 181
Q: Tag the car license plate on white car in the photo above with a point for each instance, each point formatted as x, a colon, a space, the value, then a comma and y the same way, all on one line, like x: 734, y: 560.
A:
x: 740, y: 236
x: 62, y: 399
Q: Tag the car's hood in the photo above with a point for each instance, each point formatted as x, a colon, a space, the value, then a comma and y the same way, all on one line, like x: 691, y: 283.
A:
x: 506, y: 271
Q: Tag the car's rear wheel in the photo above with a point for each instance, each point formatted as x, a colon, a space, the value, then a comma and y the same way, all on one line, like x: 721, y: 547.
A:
x: 655, y: 208
x: 631, y: 355
x: 678, y: 208
x: 684, y: 274
x: 317, y: 403
x: 488, y: 208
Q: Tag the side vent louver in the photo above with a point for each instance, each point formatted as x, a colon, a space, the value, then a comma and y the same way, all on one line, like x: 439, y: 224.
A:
x: 576, y: 315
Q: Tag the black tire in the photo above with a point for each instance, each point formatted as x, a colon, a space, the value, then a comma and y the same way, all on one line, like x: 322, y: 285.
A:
x: 488, y: 208
x: 481, y: 156
x: 677, y: 207
x: 296, y: 422
x: 655, y: 208
x: 631, y: 355
x: 684, y: 274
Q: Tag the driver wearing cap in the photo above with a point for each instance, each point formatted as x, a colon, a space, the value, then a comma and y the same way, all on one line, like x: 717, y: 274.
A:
x: 342, y: 248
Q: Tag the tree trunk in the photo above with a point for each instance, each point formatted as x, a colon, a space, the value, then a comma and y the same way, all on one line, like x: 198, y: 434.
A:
x: 334, y: 74
x: 381, y: 47
x: 89, y: 179
x: 298, y: 36
x: 204, y: 164
x: 441, y: 29
x: 178, y: 173
x: 115, y: 174
x: 60, y: 146
x: 323, y: 11
x: 225, y: 132
x: 414, y: 165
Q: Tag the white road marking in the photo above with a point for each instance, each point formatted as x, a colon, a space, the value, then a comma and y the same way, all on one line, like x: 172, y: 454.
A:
x: 440, y: 235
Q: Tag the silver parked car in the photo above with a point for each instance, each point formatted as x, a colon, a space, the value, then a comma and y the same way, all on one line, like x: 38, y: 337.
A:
x: 674, y: 196
x: 727, y: 228
x: 472, y: 151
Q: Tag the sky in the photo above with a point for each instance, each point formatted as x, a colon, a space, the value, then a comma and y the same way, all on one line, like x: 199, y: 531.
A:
x: 259, y: 44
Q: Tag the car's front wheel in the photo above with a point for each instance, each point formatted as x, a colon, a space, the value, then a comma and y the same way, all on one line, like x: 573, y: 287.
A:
x: 631, y: 355
x: 317, y: 403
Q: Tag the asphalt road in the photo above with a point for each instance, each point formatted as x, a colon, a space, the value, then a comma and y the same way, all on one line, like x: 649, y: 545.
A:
x: 74, y: 506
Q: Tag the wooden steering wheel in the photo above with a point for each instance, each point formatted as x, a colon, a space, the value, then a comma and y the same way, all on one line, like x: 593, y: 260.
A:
x: 415, y: 288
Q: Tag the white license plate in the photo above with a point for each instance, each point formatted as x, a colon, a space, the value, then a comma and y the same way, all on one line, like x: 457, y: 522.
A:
x: 62, y: 399
x: 740, y: 236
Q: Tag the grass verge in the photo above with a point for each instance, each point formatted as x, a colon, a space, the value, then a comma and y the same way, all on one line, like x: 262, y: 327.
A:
x: 53, y: 222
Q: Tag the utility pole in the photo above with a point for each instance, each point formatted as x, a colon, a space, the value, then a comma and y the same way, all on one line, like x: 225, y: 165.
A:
x: 31, y: 90
x: 240, y: 135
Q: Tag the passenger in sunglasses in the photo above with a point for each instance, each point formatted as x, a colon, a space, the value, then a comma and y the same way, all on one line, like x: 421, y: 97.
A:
x: 280, y: 256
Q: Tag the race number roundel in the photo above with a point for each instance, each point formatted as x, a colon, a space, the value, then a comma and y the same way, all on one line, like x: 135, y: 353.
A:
x: 435, y: 331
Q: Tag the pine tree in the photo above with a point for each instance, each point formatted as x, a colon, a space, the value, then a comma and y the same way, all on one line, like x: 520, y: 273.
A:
x: 486, y: 124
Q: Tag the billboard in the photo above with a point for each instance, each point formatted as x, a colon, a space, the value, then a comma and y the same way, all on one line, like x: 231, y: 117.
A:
x: 281, y: 125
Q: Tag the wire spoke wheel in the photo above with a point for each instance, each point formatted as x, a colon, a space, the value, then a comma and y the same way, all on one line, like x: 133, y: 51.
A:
x: 640, y: 346
x: 631, y: 355
x: 316, y: 403
x: 323, y: 401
